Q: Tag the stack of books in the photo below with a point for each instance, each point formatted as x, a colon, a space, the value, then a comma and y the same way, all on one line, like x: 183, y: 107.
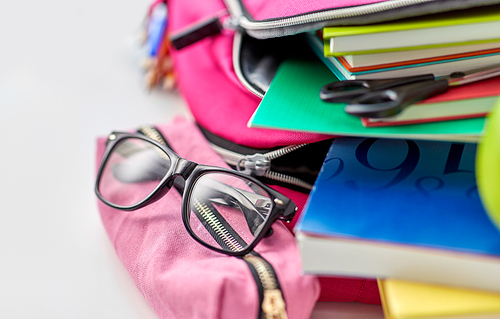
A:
x: 397, y: 199
x: 437, y: 44
x: 441, y: 45
x: 406, y: 210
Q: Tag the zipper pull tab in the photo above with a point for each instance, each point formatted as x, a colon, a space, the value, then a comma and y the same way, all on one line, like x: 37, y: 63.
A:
x: 256, y: 164
x: 273, y: 304
x: 198, y: 31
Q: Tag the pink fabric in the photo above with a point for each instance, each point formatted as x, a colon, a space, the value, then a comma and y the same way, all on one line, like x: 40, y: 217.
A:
x: 215, y: 96
x: 182, y: 279
x: 264, y: 9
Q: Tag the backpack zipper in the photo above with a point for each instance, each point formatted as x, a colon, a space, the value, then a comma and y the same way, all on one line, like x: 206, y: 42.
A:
x: 311, y: 21
x: 270, y: 294
x: 256, y: 164
x: 238, y: 21
x: 260, y: 164
x: 308, y: 21
x: 316, y: 20
x: 279, y: 26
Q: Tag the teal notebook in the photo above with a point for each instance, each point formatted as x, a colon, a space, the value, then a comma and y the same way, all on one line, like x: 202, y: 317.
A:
x: 292, y: 103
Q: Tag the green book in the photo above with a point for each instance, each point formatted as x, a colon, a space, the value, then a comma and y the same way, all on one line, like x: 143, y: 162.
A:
x: 292, y: 103
x: 450, y: 29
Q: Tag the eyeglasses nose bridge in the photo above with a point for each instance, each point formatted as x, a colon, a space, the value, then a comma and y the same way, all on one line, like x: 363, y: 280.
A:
x: 184, y: 168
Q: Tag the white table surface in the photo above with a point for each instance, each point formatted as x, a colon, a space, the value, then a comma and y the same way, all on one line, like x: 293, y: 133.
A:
x: 69, y: 72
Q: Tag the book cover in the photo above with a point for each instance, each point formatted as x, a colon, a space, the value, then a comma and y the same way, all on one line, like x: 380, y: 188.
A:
x: 403, y: 209
x: 410, y: 56
x: 435, y: 112
x: 406, y: 299
x: 434, y: 59
x: 436, y: 67
x: 417, y: 33
x: 292, y: 103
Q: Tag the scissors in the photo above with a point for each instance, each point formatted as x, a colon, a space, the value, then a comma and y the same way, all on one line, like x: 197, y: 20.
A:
x: 388, y: 97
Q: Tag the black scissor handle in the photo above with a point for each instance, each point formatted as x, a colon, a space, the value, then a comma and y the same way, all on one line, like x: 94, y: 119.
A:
x: 387, y: 103
x: 348, y: 90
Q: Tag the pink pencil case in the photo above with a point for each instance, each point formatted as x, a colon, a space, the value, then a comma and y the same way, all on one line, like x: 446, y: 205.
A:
x: 179, y: 277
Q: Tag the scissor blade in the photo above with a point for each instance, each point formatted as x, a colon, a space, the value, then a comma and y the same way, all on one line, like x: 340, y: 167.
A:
x: 391, y: 102
x: 474, y: 75
x: 348, y: 90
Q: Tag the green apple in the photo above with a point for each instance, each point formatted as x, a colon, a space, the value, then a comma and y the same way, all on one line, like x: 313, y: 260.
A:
x: 488, y: 166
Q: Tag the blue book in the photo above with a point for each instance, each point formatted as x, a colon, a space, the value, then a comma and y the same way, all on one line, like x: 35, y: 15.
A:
x: 404, y: 209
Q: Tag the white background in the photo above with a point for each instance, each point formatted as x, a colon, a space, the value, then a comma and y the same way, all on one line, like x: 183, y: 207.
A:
x: 69, y: 72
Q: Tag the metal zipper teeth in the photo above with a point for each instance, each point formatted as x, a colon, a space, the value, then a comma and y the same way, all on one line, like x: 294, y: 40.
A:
x: 230, y: 157
x: 152, y: 133
x: 273, y: 304
x: 267, y: 279
x: 287, y: 179
x: 239, y: 19
x: 320, y: 16
x: 216, y: 225
x: 233, y: 158
x: 283, y: 151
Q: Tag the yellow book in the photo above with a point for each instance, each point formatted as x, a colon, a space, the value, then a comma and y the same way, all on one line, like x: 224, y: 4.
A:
x: 406, y: 299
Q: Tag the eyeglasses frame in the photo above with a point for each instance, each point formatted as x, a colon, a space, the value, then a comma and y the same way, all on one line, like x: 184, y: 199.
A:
x: 283, y: 208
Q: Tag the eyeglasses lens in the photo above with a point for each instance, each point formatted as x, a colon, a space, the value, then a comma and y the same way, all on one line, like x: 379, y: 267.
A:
x: 228, y: 211
x: 134, y: 168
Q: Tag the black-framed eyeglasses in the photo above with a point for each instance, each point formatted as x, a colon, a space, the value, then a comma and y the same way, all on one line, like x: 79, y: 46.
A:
x: 222, y: 209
